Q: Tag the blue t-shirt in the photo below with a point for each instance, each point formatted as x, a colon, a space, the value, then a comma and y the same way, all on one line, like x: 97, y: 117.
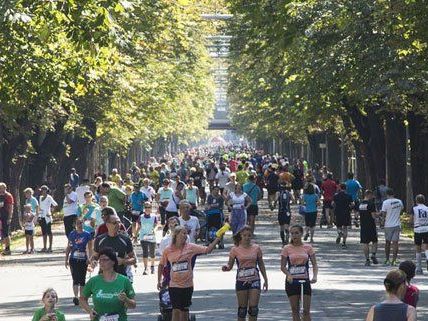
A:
x: 352, y: 188
x: 253, y: 191
x: 34, y: 203
x: 137, y: 201
x: 78, y: 242
x: 310, y: 202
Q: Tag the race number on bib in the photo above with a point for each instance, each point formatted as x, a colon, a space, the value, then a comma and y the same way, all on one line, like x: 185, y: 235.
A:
x: 149, y: 238
x: 113, y: 317
x: 180, y: 266
x: 297, y: 269
x: 246, y: 273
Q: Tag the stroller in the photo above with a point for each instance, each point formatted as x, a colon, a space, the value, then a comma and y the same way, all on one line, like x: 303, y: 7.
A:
x: 165, y: 307
x: 214, y: 221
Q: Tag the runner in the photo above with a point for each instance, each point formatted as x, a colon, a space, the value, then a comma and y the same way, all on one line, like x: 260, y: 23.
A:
x: 146, y: 229
x: 249, y: 259
x: 48, y: 312
x: 329, y: 188
x: 222, y: 177
x: 87, y: 211
x: 173, y: 203
x: 412, y: 292
x: 138, y: 199
x: 295, y: 259
x: 238, y: 203
x: 76, y: 256
x: 180, y: 255
x: 162, y: 197
x: 353, y: 188
x: 284, y: 212
x: 6, y: 213
x: 342, y: 203
x: 191, y: 223
x: 191, y: 194
x: 311, y: 202
x: 419, y: 219
x: 393, y: 308
x: 272, y: 185
x: 368, y: 233
x: 392, y: 208
x: 112, y: 293
x: 47, y: 203
x: 69, y: 208
x: 253, y: 191
x: 230, y: 186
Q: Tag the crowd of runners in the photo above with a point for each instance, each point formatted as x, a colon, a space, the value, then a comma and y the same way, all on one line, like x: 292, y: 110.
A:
x: 194, y: 198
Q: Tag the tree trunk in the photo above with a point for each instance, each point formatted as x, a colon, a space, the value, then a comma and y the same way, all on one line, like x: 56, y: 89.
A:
x: 395, y: 137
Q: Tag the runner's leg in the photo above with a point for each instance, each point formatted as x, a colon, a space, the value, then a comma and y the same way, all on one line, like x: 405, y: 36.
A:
x: 253, y: 301
x: 242, y: 297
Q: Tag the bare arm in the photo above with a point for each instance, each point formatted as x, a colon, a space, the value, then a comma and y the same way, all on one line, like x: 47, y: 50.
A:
x: 411, y: 313
x: 212, y: 245
x: 370, y: 315
x: 83, y: 302
x: 314, y: 267
x: 262, y: 267
x: 229, y: 265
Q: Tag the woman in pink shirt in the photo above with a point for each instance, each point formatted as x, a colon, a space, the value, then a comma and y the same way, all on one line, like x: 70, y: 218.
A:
x: 181, y: 256
x: 249, y: 259
x: 295, y: 259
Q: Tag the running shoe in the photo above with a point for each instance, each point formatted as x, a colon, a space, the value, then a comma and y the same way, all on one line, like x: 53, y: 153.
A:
x: 367, y: 263
x: 387, y: 263
x: 344, y: 246
x: 306, y: 237
x: 42, y: 250
x: 76, y: 301
x: 395, y: 263
x: 145, y: 272
x: 419, y: 271
x: 152, y: 270
x: 374, y: 259
x: 49, y: 251
x: 6, y: 252
x: 338, y: 239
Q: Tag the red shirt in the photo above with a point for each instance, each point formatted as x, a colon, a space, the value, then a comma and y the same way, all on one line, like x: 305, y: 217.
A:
x: 7, y: 199
x: 102, y: 229
x: 329, y: 188
x: 233, y: 165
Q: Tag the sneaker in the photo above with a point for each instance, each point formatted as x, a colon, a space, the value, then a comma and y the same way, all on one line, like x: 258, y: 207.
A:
x: 367, y: 263
x: 395, y: 263
x: 76, y: 301
x: 344, y: 246
x: 26, y: 252
x: 419, y: 271
x: 6, y: 252
x: 387, y: 263
x: 44, y: 250
x: 306, y: 237
x: 338, y: 239
x: 49, y: 251
x: 152, y: 270
x: 145, y: 272
x: 374, y: 259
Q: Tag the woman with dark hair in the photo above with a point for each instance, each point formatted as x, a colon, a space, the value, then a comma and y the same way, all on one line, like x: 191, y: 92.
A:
x: 295, y: 259
x: 311, y: 201
x: 411, y: 296
x: 112, y: 293
x: 249, y: 259
x: 393, y: 309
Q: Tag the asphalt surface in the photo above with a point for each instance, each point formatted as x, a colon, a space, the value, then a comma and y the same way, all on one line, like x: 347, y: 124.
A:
x: 345, y: 289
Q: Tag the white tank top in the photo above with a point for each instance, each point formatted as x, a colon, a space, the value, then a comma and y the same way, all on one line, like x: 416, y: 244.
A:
x: 420, y: 218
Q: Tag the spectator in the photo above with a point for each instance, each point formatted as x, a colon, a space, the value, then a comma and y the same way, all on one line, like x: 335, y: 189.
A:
x: 6, y: 212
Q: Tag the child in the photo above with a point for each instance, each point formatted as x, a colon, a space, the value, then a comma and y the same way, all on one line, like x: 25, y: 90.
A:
x: 412, y: 292
x: 28, y: 217
x: 48, y: 312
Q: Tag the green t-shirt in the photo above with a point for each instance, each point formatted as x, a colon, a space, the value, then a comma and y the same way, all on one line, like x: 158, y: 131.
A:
x: 105, y: 295
x: 242, y: 177
x: 116, y: 199
x: 41, y: 312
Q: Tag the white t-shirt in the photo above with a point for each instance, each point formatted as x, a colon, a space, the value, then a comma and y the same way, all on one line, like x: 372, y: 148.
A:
x: 238, y: 202
x: 420, y: 218
x: 191, y: 226
x: 80, y: 191
x: 173, y: 204
x: 45, y: 207
x: 222, y: 177
x: 149, y: 192
x: 70, y: 208
x: 392, y: 207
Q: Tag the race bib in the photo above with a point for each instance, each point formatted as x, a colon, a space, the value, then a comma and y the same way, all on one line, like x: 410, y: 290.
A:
x: 180, y: 266
x: 297, y: 269
x: 149, y: 238
x: 113, y: 317
x: 79, y: 255
x: 247, y: 273
x: 136, y: 213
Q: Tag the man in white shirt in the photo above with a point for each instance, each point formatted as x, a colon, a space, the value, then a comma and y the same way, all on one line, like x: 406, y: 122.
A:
x: 191, y: 223
x: 148, y: 190
x: 69, y: 208
x: 81, y: 190
x: 222, y: 177
x: 419, y: 219
x: 391, y: 210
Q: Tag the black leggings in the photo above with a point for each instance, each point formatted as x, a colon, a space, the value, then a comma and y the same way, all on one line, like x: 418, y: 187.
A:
x: 69, y: 223
x: 78, y: 271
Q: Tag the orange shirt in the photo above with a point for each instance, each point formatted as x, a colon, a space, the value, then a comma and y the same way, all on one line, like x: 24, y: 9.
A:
x: 181, y: 272
x: 246, y: 259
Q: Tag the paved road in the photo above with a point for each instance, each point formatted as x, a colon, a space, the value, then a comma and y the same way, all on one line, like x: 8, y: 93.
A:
x: 345, y: 289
